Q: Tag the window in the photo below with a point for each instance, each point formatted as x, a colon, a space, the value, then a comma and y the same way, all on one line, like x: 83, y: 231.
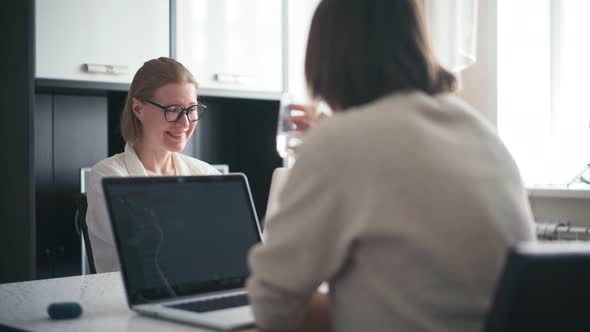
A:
x: 544, y: 87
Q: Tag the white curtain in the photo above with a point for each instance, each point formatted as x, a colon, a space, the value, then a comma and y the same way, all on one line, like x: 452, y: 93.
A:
x: 452, y: 27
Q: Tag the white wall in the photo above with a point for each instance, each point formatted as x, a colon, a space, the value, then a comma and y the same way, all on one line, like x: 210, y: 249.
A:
x: 299, y: 21
x: 478, y: 82
x: 479, y: 89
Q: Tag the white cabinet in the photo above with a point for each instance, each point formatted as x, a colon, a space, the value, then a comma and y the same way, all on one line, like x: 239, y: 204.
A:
x: 99, y: 40
x: 233, y: 47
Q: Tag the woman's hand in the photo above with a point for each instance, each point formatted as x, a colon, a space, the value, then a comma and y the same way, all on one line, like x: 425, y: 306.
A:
x: 306, y: 117
x: 317, y: 318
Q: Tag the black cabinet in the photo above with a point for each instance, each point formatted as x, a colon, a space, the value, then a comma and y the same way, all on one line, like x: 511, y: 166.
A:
x: 70, y: 133
x: 241, y: 133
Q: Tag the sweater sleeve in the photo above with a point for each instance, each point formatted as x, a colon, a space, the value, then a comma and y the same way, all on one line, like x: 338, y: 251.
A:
x: 307, y: 242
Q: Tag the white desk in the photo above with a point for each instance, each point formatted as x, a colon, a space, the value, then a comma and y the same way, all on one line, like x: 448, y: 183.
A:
x: 24, y: 305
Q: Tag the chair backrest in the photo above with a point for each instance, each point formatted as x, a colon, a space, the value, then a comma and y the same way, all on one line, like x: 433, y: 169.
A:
x: 87, y: 260
x: 222, y: 168
x: 84, y: 174
x: 544, y: 287
x: 81, y: 207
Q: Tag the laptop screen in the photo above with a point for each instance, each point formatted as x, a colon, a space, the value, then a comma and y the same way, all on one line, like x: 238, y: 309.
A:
x: 179, y: 236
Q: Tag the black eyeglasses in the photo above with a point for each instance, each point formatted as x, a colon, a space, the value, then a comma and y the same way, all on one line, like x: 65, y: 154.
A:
x: 173, y: 113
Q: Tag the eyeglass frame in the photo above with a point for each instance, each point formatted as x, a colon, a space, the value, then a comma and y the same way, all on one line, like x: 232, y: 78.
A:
x: 184, y: 110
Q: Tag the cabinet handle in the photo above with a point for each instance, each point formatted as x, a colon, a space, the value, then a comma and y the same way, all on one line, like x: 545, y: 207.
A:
x: 232, y: 78
x: 105, y: 69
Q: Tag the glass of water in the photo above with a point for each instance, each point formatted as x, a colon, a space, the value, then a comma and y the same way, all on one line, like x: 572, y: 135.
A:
x: 288, y: 137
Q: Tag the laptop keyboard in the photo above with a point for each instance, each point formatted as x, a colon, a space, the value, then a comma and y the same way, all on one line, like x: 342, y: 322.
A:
x: 213, y: 304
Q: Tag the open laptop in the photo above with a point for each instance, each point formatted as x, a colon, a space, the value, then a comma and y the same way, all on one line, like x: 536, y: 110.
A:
x: 182, y: 245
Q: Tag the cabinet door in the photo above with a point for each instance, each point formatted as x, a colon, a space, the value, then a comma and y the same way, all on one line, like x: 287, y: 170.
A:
x: 79, y: 136
x: 79, y: 140
x: 123, y: 34
x: 241, y: 133
x: 231, y: 44
x: 70, y: 133
x: 44, y: 190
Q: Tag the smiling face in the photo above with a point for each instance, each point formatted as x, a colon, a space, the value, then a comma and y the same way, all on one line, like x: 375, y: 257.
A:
x: 157, y: 133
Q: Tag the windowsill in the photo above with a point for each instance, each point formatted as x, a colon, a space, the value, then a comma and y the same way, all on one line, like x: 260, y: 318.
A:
x: 560, y: 191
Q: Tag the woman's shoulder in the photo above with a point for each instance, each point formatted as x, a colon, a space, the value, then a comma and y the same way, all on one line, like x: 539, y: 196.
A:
x: 413, y: 112
x: 392, y: 119
x: 196, y: 166
x: 111, y: 166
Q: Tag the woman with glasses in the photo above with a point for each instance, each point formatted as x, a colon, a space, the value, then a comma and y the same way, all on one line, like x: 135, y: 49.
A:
x: 159, y: 117
x: 405, y: 201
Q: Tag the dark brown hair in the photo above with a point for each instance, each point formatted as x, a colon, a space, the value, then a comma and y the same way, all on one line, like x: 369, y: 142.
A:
x: 153, y: 75
x: 360, y: 50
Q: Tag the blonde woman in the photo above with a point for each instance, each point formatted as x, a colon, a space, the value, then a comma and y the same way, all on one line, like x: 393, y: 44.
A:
x: 160, y: 116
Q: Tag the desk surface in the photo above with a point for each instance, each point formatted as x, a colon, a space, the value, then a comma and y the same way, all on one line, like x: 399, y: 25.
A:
x: 24, y: 305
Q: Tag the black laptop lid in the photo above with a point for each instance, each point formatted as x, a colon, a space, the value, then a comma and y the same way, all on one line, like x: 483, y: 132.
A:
x: 179, y: 236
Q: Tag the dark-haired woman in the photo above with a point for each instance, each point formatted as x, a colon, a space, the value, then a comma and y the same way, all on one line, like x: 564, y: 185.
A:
x: 405, y: 201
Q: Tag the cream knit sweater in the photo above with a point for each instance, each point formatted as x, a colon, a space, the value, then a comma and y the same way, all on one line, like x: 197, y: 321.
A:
x: 406, y: 206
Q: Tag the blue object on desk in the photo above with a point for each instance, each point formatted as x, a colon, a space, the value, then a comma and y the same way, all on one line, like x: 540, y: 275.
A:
x: 64, y: 310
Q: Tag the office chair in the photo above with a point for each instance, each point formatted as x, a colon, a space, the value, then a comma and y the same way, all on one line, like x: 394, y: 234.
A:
x: 87, y: 259
x: 544, y: 287
x: 222, y: 168
x: 81, y: 207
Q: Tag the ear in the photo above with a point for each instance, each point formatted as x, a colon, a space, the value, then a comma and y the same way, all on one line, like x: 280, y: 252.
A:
x: 137, y: 108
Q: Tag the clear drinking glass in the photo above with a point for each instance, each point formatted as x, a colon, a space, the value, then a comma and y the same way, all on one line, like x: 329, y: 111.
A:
x: 288, y: 137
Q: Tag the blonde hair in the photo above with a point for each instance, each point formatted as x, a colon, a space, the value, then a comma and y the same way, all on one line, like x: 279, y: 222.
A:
x: 153, y: 75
